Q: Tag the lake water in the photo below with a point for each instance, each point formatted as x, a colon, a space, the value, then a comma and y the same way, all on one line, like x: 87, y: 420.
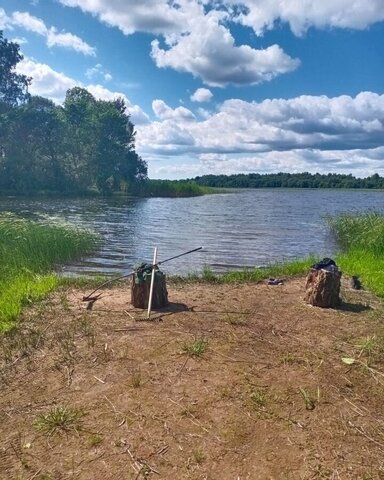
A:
x: 243, y: 229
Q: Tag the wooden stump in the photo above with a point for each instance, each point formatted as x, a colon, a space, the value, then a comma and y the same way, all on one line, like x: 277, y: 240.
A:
x: 140, y: 287
x: 323, y: 288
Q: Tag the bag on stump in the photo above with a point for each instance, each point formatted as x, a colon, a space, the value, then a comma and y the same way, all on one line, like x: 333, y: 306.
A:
x: 141, y: 284
x: 323, y: 284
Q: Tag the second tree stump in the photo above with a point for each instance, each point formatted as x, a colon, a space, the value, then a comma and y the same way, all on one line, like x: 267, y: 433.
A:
x: 323, y: 288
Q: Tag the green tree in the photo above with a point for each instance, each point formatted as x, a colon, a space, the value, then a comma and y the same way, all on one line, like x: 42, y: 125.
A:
x: 13, y: 86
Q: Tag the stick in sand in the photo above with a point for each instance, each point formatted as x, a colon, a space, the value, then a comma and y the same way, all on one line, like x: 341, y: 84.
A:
x: 152, y: 282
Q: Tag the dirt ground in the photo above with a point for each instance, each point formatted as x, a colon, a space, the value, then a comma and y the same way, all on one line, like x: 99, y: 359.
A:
x: 231, y: 382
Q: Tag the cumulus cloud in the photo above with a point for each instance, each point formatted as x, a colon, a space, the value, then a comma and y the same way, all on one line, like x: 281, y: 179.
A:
x: 164, y: 112
x: 202, y: 95
x: 208, y: 51
x: 54, y: 85
x: 325, y: 130
x: 53, y: 37
x: 151, y: 16
x: 262, y: 15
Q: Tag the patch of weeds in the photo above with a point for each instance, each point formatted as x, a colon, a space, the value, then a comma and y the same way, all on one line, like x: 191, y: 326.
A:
x: 59, y: 419
x: 258, y: 397
x: 310, y: 399
x: 136, y: 378
x: 94, y: 440
x: 198, y: 455
x: 259, y: 402
x: 196, y: 348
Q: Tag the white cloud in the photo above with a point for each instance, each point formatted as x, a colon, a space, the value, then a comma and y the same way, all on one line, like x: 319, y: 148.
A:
x: 152, y: 16
x: 208, y: 51
x: 53, y: 37
x: 165, y: 17
x: 333, y: 134
x: 302, y: 14
x: 202, y: 95
x: 164, y: 112
x: 46, y: 81
x: 70, y: 41
x: 29, y: 22
x: 54, y: 85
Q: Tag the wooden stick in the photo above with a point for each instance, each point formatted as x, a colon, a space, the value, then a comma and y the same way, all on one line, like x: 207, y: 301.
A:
x: 152, y: 283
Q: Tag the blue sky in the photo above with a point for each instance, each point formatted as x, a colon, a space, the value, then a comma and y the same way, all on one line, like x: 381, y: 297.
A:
x: 218, y: 86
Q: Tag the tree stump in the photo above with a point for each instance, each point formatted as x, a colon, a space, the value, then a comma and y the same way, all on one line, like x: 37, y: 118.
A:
x: 323, y: 288
x: 140, y: 287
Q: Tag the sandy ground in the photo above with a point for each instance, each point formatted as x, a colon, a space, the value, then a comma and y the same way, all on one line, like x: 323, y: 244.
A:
x: 231, y: 382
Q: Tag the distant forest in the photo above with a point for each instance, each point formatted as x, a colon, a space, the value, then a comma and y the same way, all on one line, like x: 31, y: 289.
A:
x: 82, y: 146
x: 290, y: 180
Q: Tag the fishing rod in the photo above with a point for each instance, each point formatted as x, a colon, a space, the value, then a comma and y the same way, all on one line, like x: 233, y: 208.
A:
x: 90, y: 297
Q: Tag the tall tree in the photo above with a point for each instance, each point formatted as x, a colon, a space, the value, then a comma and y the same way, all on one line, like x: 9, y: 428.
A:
x: 13, y: 86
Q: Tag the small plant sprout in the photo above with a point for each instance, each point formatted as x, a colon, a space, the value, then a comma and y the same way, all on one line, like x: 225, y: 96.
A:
x: 59, y: 419
x: 196, y: 348
x: 309, y: 399
x: 258, y: 397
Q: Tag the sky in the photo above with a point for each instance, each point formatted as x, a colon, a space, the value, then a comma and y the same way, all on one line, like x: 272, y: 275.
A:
x: 220, y: 86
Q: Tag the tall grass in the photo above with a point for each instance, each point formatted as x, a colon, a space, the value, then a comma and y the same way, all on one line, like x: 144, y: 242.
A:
x: 29, y: 251
x: 170, y: 188
x: 361, y: 237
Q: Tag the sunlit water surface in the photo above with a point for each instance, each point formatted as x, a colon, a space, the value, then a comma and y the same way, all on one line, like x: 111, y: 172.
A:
x: 237, y: 230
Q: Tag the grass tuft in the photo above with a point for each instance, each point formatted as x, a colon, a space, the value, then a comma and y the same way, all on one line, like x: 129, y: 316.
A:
x: 196, y: 348
x: 59, y: 419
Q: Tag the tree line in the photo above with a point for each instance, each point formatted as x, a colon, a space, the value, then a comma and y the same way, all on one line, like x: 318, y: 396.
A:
x: 82, y: 146
x: 290, y: 180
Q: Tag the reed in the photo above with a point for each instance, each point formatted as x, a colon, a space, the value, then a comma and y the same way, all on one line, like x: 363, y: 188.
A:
x: 361, y: 237
x: 29, y: 251
x: 171, y: 188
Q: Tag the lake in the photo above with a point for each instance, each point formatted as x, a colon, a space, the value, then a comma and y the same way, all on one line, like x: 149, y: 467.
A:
x: 243, y: 229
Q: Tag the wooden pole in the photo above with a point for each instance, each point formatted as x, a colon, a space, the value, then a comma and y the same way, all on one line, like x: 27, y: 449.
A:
x: 152, y: 282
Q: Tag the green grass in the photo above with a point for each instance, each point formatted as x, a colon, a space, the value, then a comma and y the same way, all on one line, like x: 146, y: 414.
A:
x: 29, y: 252
x: 59, y: 419
x: 196, y: 348
x: 286, y: 269
x: 361, y: 237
